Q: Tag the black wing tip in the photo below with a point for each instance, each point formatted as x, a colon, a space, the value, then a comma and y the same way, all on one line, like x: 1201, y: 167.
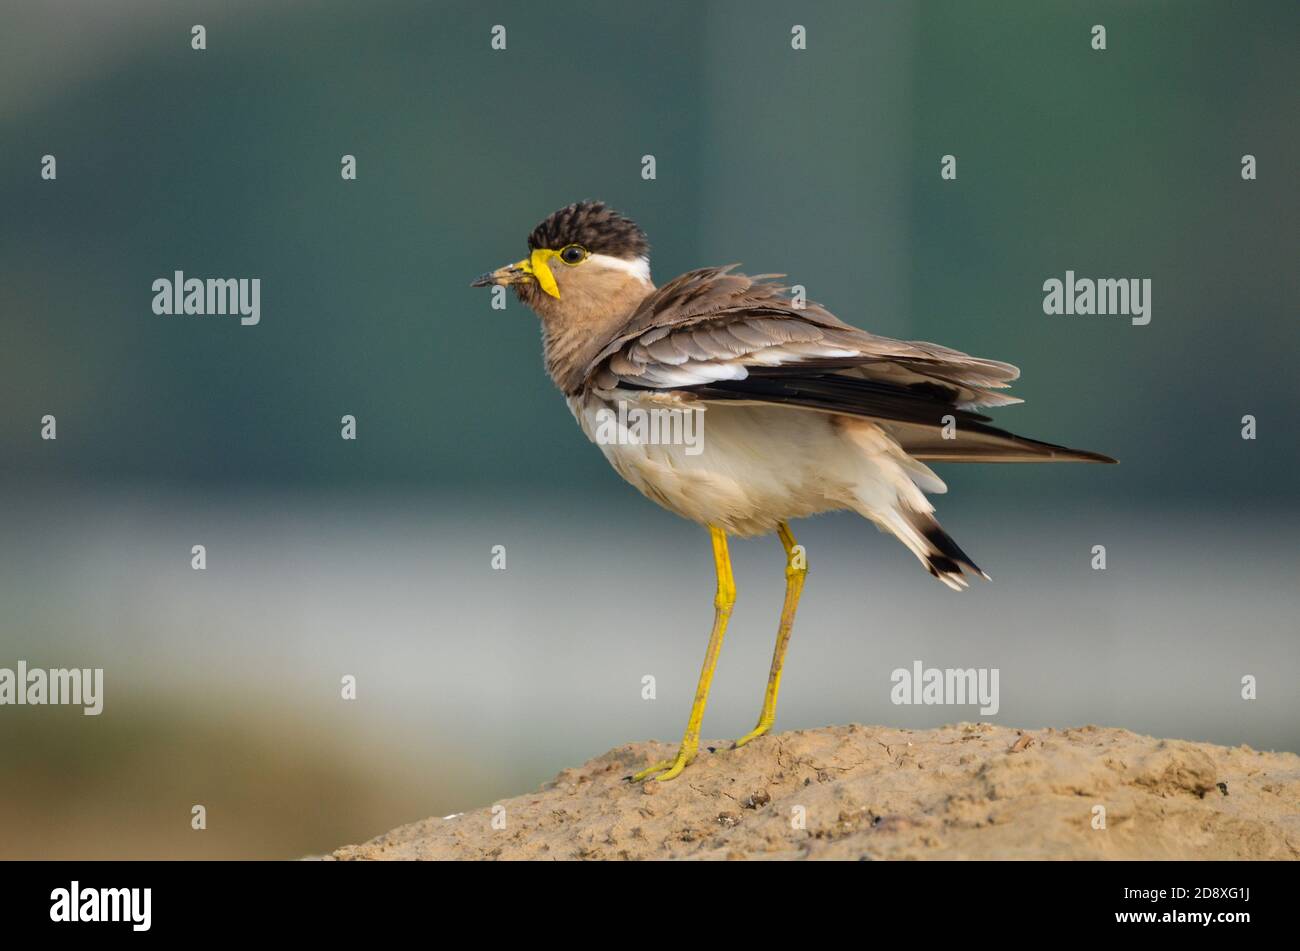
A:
x: 947, y: 561
x: 1084, y: 455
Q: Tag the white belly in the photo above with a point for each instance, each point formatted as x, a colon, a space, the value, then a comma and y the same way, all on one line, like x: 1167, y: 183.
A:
x: 746, y: 469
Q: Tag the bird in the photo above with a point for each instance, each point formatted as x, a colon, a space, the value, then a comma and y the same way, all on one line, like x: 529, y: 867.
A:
x: 799, y: 412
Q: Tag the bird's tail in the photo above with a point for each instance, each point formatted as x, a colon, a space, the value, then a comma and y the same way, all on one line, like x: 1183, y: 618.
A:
x: 942, y: 556
x: 918, y: 529
x: 891, y: 493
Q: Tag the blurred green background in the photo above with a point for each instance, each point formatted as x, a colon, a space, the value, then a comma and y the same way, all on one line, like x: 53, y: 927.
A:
x: 371, y: 557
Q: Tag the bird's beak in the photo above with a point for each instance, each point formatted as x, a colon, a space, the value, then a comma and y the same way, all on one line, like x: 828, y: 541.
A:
x: 510, y: 274
x: 535, y: 267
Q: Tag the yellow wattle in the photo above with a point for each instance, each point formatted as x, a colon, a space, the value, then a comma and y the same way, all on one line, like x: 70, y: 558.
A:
x: 540, y: 268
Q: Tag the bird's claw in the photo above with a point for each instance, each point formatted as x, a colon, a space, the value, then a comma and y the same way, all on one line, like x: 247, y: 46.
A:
x: 753, y: 734
x: 667, y: 768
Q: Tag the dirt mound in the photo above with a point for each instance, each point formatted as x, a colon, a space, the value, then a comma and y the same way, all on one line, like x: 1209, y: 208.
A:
x: 860, y: 792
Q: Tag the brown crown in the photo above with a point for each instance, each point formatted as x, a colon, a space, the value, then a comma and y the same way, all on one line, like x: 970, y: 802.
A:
x: 594, y: 225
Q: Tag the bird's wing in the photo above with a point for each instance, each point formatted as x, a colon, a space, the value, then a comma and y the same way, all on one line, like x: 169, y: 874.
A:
x: 713, y: 324
x: 719, y: 335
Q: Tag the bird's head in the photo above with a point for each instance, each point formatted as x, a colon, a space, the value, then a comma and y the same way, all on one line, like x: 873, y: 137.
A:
x: 585, y: 260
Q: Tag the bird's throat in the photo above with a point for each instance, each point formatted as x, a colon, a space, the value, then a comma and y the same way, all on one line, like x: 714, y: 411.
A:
x: 577, y: 327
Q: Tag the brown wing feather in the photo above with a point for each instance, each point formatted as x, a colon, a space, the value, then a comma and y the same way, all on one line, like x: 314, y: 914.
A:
x: 721, y: 335
x: 713, y: 324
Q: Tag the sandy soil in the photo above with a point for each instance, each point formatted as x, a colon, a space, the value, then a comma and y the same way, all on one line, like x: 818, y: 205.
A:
x: 860, y: 792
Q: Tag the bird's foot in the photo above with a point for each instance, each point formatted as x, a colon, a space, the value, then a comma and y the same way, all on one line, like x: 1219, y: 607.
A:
x: 667, y: 768
x: 762, y: 728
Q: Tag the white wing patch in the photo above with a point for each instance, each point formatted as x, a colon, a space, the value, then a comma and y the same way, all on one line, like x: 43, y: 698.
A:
x: 671, y: 356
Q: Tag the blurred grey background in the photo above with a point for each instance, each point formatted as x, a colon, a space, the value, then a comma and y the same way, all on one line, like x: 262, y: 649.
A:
x: 372, y: 558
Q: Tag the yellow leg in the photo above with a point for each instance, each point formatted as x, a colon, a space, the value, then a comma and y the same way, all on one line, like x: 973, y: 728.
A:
x: 722, y: 603
x: 796, y: 567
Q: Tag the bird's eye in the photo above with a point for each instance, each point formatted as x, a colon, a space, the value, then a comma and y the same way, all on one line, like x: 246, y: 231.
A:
x: 573, y: 254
